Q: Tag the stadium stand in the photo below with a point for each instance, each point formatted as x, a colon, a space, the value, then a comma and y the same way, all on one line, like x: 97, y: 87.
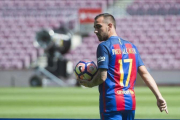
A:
x: 154, y: 7
x: 157, y: 39
x: 21, y: 19
x: 152, y: 25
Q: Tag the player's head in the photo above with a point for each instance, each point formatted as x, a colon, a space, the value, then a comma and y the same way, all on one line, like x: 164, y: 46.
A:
x: 104, y: 25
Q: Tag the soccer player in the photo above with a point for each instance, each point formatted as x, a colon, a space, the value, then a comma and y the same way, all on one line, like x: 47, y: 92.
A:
x: 118, y: 62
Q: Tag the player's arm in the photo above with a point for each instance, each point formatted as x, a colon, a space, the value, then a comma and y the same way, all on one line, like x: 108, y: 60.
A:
x: 102, y: 61
x: 150, y: 82
x: 99, y: 78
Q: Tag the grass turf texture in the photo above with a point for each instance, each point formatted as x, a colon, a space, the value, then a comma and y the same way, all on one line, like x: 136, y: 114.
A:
x: 79, y: 103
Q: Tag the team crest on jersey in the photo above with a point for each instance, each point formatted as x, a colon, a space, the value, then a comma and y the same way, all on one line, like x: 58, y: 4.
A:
x: 101, y: 59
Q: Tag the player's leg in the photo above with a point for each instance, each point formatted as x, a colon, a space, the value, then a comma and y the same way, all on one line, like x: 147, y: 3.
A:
x: 111, y: 116
x: 128, y: 114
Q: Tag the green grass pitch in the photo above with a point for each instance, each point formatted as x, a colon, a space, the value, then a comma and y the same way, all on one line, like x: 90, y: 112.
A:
x: 73, y: 102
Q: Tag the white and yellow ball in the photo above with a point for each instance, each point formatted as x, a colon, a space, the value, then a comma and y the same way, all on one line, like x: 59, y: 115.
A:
x: 85, y: 70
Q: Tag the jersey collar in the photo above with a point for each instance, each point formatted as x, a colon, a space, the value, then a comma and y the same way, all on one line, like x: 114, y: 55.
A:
x: 120, y: 41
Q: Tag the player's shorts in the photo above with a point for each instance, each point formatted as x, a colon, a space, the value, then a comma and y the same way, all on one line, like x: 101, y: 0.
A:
x: 118, y: 115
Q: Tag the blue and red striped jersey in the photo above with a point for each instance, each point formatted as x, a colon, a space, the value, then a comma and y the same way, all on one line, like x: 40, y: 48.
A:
x: 121, y: 59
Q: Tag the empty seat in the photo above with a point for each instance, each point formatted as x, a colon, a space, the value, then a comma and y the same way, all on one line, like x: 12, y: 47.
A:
x: 154, y: 7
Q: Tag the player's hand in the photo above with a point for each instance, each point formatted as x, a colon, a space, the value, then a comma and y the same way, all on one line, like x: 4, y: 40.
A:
x: 85, y: 83
x: 161, y: 103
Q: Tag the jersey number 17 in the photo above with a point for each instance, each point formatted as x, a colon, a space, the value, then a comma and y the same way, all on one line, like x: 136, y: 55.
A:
x: 121, y: 61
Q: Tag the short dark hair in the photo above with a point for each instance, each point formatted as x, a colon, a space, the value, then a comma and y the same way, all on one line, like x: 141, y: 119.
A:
x: 107, y: 16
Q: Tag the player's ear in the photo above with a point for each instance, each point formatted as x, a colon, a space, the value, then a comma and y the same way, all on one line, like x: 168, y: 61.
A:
x: 110, y: 26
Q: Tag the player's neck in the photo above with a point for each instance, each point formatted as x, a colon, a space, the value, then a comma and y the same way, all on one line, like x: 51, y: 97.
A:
x: 113, y: 34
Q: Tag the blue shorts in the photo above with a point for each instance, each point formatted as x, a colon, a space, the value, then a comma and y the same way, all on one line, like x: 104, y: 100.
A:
x: 118, y: 115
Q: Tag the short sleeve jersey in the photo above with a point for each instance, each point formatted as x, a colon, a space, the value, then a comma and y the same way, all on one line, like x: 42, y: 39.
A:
x: 121, y: 59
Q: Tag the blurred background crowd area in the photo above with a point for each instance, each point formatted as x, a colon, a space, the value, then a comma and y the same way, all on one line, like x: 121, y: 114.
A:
x: 152, y: 25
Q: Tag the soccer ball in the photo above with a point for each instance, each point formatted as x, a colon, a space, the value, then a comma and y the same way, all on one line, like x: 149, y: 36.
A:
x: 85, y: 70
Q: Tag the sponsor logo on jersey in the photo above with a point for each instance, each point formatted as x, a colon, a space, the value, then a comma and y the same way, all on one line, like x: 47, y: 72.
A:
x: 125, y: 92
x: 124, y: 51
x: 101, y: 59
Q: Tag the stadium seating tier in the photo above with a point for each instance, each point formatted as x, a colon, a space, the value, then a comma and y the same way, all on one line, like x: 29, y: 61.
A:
x: 154, y: 28
x: 156, y: 37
